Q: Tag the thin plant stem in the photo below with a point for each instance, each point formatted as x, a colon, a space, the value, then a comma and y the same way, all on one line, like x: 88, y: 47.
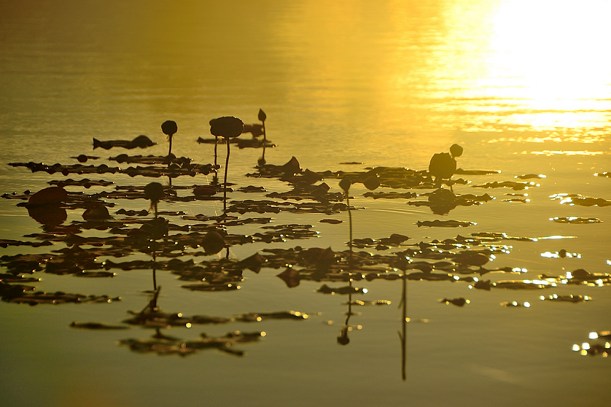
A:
x: 350, y: 226
x: 154, y: 272
x: 216, y: 142
x: 264, y: 141
x: 225, y: 181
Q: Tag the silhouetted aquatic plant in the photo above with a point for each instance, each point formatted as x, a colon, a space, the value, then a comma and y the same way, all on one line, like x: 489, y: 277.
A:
x: 443, y: 165
x: 169, y: 128
x: 345, y: 185
x: 371, y: 182
x: 227, y: 127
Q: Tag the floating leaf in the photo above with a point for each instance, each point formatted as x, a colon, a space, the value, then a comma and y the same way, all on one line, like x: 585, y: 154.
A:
x: 290, y: 276
x: 531, y: 176
x: 515, y: 304
x: 459, y: 302
x: 445, y: 223
x: 141, y: 141
x: 580, y: 200
x: 576, y: 220
x: 325, y: 289
x: 574, y: 298
x: 96, y: 326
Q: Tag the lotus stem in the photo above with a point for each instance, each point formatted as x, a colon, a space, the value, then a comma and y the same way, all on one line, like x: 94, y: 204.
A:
x: 225, y: 180
x: 350, y: 229
x: 264, y: 141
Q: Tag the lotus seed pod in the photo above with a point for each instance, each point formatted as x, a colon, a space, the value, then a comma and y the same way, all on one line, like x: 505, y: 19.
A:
x: 154, y: 191
x: 345, y: 184
x: 169, y: 127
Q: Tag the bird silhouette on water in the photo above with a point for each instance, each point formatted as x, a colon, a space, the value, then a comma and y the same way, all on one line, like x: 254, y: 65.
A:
x: 443, y: 165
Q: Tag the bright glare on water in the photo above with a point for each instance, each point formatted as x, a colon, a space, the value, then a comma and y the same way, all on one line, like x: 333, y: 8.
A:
x: 524, y: 86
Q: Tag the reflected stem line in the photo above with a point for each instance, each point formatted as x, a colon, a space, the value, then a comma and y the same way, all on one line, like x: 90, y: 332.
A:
x: 403, y: 334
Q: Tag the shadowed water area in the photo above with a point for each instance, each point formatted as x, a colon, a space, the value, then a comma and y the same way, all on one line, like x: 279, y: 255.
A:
x: 150, y: 254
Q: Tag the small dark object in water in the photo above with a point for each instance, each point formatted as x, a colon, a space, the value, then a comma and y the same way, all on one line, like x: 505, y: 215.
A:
x: 290, y: 276
x: 442, y: 201
x: 154, y: 192
x: 141, y: 141
x: 153, y: 229
x: 443, y: 165
x: 48, y: 215
x: 205, y: 190
x: 213, y: 242
x: 253, y: 262
x: 471, y: 258
x: 96, y: 212
x: 48, y: 196
x: 45, y: 206
x: 459, y: 302
x: 291, y: 167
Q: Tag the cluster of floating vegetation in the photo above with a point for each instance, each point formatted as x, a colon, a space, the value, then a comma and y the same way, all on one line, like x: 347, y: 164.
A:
x: 173, y: 240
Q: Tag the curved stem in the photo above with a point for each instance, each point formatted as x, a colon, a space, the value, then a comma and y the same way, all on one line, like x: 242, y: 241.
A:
x: 225, y: 181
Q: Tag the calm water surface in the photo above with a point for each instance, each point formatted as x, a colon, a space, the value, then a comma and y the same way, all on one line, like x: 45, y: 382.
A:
x: 523, y: 86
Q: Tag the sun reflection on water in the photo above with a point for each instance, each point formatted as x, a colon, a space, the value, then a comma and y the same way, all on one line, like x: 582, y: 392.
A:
x: 541, y: 65
x: 553, y: 53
